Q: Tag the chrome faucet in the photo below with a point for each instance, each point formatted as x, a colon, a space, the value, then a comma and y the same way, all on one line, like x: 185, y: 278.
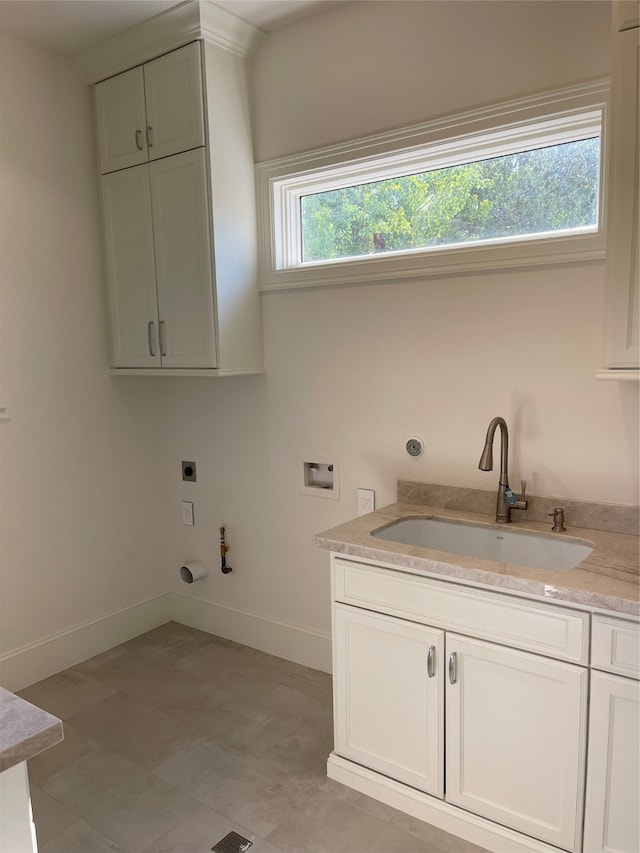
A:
x: 507, y: 499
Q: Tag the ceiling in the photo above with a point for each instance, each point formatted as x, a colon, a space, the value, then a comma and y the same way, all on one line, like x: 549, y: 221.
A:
x: 73, y: 26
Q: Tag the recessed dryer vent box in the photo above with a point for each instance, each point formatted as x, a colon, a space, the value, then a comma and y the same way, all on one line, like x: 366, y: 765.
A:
x: 320, y: 477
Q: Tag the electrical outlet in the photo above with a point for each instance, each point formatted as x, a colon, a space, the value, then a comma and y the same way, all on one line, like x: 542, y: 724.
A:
x: 366, y: 501
x: 189, y: 471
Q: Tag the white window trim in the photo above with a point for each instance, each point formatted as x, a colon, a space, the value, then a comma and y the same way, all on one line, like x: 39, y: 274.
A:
x: 563, y: 115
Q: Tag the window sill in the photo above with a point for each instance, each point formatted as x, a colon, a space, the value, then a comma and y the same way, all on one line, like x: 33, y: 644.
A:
x: 619, y: 374
x: 432, y: 263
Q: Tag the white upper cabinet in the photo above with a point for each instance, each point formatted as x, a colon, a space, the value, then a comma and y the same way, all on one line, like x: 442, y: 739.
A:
x: 178, y: 199
x: 623, y: 268
x: 151, y: 111
x: 121, y: 121
x: 159, y: 268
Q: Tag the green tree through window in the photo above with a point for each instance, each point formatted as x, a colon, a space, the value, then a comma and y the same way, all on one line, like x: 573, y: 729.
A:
x: 544, y: 190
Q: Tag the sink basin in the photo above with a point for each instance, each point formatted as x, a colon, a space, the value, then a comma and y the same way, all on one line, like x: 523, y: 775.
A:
x: 502, y: 545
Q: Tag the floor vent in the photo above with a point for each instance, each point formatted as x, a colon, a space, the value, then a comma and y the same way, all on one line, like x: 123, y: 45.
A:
x: 232, y: 843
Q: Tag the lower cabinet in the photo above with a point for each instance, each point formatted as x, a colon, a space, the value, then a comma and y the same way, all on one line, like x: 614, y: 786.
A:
x: 17, y: 829
x: 612, y: 821
x: 496, y: 736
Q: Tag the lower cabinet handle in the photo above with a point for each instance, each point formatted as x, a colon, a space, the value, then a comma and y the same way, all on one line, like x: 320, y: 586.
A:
x: 149, y: 136
x: 163, y: 339
x: 453, y: 675
x: 150, y: 337
x: 139, y: 140
x: 431, y: 661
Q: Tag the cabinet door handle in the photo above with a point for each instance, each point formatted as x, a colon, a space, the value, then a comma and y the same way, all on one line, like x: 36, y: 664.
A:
x: 163, y: 339
x: 150, y: 338
x: 149, y: 136
x: 431, y: 661
x: 453, y: 675
x: 139, y: 140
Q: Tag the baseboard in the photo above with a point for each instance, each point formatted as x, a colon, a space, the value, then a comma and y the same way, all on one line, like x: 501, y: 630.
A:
x: 40, y: 659
x: 309, y: 648
x: 476, y: 830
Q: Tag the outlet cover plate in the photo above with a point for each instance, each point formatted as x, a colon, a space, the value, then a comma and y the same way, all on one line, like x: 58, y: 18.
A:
x: 189, y: 471
x: 366, y: 501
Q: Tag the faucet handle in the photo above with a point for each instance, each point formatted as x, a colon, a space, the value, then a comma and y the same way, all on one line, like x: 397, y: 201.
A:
x: 512, y: 500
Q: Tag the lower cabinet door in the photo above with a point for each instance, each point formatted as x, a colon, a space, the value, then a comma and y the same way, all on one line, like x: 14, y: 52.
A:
x: 612, y: 821
x: 515, y: 738
x: 389, y: 696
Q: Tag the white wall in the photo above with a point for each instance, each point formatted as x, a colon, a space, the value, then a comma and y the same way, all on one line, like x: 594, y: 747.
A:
x: 370, y: 66
x: 353, y: 372
x: 81, y: 491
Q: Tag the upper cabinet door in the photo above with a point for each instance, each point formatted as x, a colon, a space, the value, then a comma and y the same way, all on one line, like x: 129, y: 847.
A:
x: 131, y: 276
x: 184, y: 271
x: 173, y: 87
x: 121, y: 121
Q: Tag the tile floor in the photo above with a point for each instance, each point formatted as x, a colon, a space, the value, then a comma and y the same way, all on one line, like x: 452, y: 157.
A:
x: 176, y: 738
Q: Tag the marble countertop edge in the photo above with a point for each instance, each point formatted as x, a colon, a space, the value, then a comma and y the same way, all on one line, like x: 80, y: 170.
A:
x: 608, y: 580
x: 25, y: 730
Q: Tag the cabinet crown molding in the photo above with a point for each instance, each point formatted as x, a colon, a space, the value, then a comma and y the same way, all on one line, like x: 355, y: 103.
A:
x: 191, y: 20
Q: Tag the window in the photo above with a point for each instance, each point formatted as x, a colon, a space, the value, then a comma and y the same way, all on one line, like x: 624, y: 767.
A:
x: 539, y: 192
x: 515, y: 184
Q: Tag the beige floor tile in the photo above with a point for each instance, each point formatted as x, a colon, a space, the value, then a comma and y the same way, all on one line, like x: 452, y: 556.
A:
x: 305, y: 750
x: 220, y: 663
x: 66, y: 693
x: 198, y: 707
x: 81, y: 838
x: 245, y: 672
x: 152, y: 682
x: 201, y: 831
x: 120, y: 800
x: 372, y: 807
x: 170, y: 642
x: 125, y: 726
x: 262, y: 797
x: 252, y: 729
x: 313, y: 682
x: 74, y: 747
x: 251, y: 792
x: 199, y: 767
x: 178, y: 692
x: 101, y: 666
x: 432, y: 835
x: 302, y: 702
x: 328, y: 825
x: 50, y: 817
